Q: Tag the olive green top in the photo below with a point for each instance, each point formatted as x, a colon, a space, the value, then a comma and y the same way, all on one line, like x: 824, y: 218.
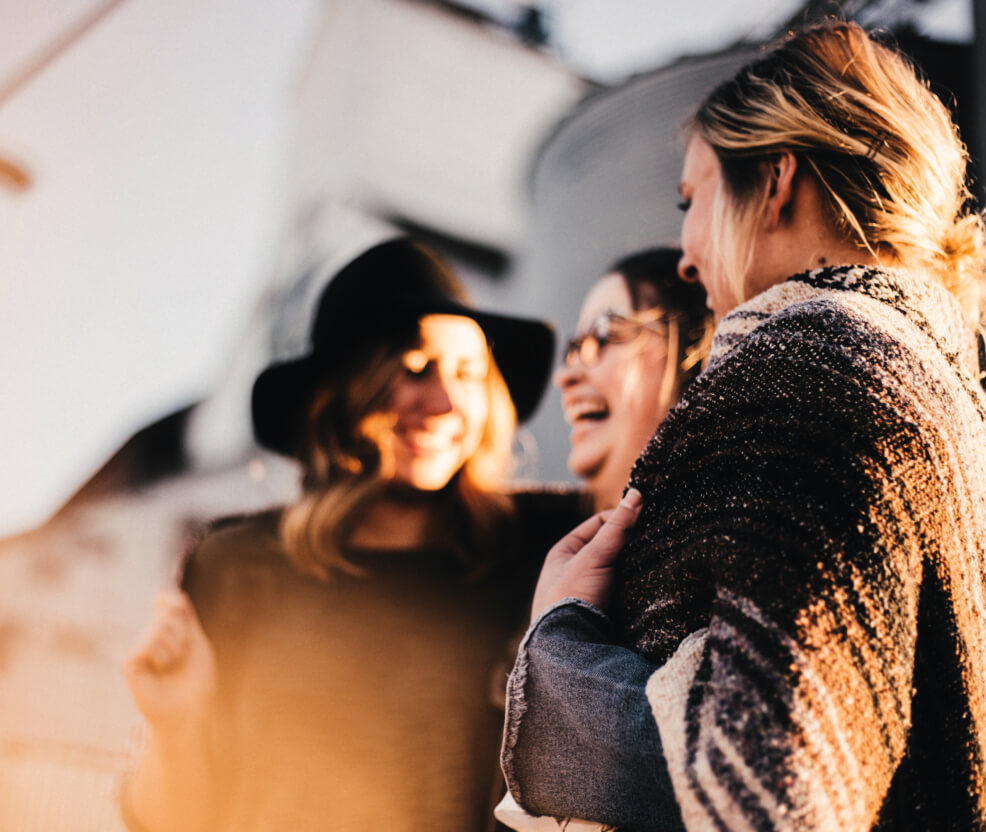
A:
x: 363, y: 703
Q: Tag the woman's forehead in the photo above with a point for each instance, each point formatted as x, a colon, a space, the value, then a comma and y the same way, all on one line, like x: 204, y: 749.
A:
x: 700, y: 163
x: 451, y: 334
x: 608, y: 294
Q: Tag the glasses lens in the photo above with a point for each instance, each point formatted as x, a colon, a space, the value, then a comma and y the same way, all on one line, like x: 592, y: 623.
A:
x: 589, y: 345
x: 613, y: 329
x: 590, y: 348
x: 571, y: 350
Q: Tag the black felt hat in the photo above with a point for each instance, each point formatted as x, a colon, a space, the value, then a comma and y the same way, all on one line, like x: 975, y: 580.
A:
x: 376, y: 299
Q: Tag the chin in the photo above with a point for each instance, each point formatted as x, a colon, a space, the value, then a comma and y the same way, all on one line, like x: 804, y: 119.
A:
x: 429, y: 485
x: 582, y: 467
x: 426, y: 478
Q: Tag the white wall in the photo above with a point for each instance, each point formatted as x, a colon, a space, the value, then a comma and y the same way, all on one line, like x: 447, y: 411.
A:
x: 128, y: 269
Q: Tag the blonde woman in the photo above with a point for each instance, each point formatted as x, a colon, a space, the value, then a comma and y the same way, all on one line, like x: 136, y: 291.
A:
x: 333, y: 665
x: 804, y: 590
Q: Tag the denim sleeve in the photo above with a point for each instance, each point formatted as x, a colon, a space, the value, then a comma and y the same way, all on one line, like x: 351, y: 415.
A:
x: 580, y: 738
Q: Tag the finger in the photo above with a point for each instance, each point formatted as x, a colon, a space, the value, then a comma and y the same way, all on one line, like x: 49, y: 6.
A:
x: 166, y: 634
x: 176, y: 635
x: 150, y: 656
x: 158, y: 651
x: 572, y: 542
x: 192, y: 624
x: 609, y: 539
x: 175, y: 604
x: 161, y: 657
x: 170, y: 627
x: 625, y: 514
x: 173, y: 600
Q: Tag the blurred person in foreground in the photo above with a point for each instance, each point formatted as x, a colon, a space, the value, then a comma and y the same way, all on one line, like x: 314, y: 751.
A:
x: 642, y: 336
x: 796, y: 637
x: 333, y: 665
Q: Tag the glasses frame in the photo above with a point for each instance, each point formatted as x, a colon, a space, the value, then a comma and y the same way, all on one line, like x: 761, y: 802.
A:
x: 589, y: 346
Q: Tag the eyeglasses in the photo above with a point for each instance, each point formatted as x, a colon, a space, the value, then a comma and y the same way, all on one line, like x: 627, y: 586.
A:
x: 611, y: 328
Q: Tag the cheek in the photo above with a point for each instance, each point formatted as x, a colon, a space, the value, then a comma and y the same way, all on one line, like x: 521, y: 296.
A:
x: 644, y: 399
x: 687, y: 231
x: 401, y: 401
x: 615, y: 380
x: 475, y: 411
x: 693, y: 228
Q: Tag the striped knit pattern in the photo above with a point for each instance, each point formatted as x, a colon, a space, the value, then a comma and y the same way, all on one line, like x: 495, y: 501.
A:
x: 815, y: 518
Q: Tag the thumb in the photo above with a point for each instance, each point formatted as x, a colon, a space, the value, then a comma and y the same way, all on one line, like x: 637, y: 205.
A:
x: 628, y: 510
x: 608, y: 541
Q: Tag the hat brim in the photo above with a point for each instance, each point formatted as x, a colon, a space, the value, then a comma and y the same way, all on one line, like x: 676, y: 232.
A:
x: 524, y: 352
x: 522, y: 348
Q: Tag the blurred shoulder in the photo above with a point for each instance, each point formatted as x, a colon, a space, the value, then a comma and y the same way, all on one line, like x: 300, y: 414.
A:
x: 233, y: 542
x: 549, y: 510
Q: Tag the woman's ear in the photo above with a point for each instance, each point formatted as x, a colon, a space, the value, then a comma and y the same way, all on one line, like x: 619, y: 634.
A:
x: 781, y: 168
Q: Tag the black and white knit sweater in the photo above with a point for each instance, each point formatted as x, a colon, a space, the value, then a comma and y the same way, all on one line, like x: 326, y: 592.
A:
x: 809, y: 570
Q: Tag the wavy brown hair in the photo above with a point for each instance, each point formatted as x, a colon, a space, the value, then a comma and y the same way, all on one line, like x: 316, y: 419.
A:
x: 346, y: 467
x: 882, y: 147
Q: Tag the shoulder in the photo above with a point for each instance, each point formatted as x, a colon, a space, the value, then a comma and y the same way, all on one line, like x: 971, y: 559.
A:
x: 819, y: 369
x: 542, y: 502
x: 814, y: 342
x: 548, y: 512
x: 229, y: 548
x: 800, y: 322
x: 875, y: 314
x: 235, y: 532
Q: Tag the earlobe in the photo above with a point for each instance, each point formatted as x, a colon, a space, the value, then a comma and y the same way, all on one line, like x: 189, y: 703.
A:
x: 781, y: 168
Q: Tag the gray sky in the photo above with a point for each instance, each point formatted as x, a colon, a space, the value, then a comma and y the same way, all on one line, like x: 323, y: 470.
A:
x: 607, y: 40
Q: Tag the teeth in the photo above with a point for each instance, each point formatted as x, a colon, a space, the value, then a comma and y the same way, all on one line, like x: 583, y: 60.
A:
x: 428, y: 441
x: 586, y: 409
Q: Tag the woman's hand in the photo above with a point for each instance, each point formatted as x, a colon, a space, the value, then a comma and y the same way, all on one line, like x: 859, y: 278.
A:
x: 580, y: 565
x: 172, y: 677
x: 172, y: 670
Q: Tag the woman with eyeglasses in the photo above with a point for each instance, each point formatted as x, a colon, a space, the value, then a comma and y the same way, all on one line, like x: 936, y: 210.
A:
x: 642, y: 335
x: 339, y: 663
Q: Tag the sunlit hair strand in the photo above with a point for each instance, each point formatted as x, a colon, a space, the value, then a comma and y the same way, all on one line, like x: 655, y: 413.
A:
x: 881, y: 146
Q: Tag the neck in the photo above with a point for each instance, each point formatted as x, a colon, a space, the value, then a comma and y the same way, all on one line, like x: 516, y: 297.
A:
x: 846, y: 255
x: 395, y: 521
x: 801, y: 238
x: 805, y: 261
x: 606, y: 489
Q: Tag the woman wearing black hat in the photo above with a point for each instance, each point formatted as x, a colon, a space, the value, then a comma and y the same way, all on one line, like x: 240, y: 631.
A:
x: 333, y: 665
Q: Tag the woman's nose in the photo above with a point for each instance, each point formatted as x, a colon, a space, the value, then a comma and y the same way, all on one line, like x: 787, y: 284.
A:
x: 687, y: 270
x: 567, y: 374
x: 437, y: 399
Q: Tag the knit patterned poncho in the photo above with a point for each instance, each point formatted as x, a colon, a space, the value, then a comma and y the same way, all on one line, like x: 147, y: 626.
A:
x: 815, y: 524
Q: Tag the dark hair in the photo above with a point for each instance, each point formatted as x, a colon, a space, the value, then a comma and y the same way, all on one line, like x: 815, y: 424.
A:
x: 651, y: 278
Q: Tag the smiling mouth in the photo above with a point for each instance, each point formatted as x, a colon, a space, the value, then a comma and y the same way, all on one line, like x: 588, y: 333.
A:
x: 585, y: 412
x: 428, y: 444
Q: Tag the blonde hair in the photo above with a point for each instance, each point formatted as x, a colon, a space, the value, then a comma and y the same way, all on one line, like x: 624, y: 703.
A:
x: 347, y: 466
x: 882, y: 147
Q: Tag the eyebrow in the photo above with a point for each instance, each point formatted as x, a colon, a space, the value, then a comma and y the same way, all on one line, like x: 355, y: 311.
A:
x: 604, y: 314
